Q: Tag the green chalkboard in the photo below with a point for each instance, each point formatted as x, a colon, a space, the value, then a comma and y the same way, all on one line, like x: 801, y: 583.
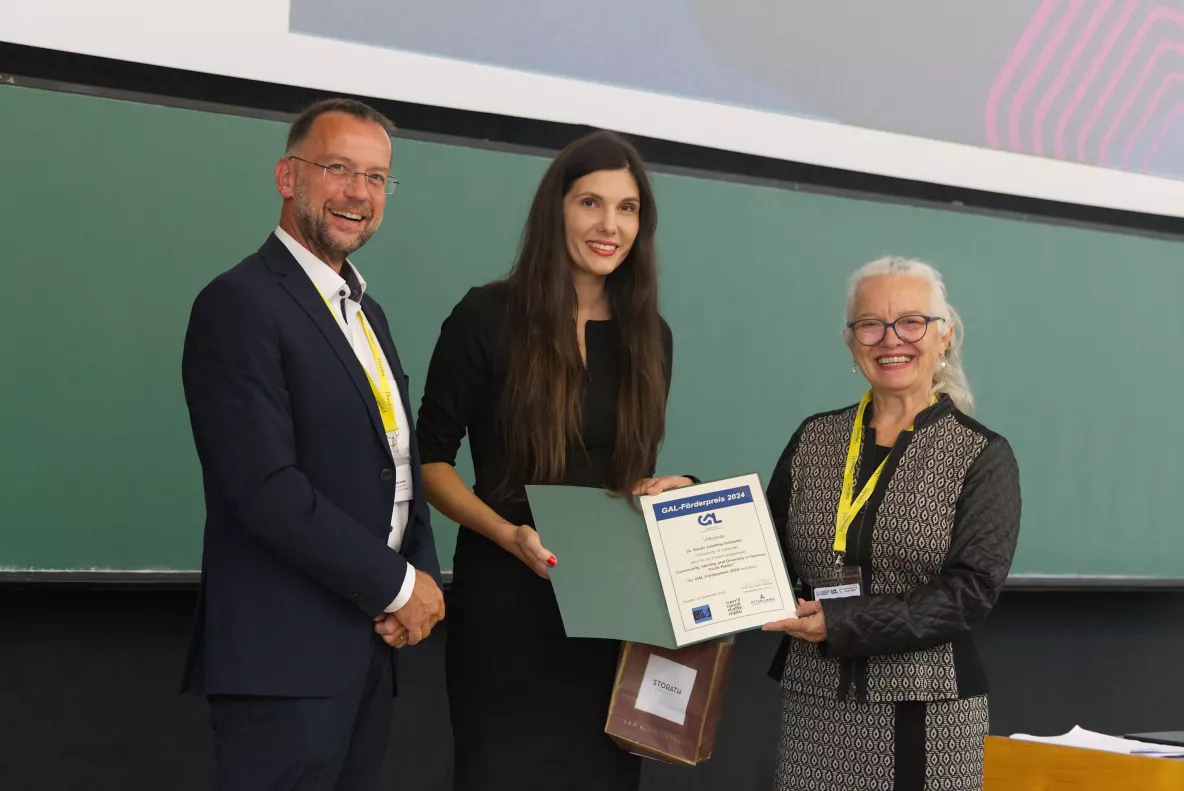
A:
x: 114, y: 214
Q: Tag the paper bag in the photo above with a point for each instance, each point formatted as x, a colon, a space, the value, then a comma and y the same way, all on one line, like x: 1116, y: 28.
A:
x: 666, y: 704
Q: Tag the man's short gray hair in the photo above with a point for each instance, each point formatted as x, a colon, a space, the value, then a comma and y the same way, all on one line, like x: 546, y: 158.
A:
x: 300, y: 127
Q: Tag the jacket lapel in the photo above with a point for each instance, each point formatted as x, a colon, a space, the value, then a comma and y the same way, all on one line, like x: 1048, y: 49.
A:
x: 305, y: 293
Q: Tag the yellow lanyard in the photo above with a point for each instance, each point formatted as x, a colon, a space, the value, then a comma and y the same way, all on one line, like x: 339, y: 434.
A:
x: 382, y: 391
x: 848, y: 508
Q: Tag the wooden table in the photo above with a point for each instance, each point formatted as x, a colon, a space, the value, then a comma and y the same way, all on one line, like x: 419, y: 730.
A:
x: 1016, y: 765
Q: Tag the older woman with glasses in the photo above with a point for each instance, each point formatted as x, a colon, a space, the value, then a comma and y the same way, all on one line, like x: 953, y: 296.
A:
x: 899, y: 518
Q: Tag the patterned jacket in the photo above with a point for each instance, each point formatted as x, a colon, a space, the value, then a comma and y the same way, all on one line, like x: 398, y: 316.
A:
x: 935, y: 542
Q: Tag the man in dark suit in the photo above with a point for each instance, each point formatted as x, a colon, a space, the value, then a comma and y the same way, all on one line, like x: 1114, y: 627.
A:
x: 318, y: 554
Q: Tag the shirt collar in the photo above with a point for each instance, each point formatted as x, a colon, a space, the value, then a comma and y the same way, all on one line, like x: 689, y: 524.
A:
x: 926, y: 417
x: 328, y: 282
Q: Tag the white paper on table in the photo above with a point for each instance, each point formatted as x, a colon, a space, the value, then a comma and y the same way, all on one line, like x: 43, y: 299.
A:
x: 718, y: 558
x: 1089, y: 740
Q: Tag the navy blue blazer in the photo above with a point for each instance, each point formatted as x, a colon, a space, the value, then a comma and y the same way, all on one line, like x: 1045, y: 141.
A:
x: 299, y: 486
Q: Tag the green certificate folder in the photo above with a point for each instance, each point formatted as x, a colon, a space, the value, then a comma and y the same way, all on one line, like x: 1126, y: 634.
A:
x: 605, y: 577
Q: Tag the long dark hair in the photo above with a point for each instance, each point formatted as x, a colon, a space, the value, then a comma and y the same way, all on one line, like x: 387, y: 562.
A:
x: 541, y: 399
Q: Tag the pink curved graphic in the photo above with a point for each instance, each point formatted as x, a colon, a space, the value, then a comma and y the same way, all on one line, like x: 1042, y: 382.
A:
x: 1135, y: 92
x: 1034, y: 74
x: 1168, y: 123
x: 1167, y: 82
x: 1018, y: 52
x: 1161, y: 12
x: 1094, y: 67
x: 1062, y: 77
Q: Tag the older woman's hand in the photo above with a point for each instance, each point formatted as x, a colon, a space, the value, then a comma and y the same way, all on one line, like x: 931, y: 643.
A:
x: 810, y: 625
x: 652, y: 486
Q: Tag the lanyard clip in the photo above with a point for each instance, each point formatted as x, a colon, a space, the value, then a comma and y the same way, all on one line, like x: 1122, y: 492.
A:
x: 839, y: 559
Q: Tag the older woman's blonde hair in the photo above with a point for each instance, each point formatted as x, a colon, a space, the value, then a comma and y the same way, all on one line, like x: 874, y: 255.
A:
x: 950, y: 379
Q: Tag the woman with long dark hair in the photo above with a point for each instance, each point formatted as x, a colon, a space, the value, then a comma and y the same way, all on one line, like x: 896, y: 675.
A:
x: 559, y: 374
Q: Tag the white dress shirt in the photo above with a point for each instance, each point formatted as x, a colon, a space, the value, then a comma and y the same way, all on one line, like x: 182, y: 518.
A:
x: 345, y: 298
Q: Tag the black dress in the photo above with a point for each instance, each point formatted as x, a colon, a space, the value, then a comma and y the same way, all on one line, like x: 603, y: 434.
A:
x: 528, y: 704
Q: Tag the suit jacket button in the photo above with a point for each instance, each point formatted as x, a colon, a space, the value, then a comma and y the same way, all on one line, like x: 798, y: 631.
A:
x: 386, y: 474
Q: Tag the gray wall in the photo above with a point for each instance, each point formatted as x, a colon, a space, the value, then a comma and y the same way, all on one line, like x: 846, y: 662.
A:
x: 88, y: 689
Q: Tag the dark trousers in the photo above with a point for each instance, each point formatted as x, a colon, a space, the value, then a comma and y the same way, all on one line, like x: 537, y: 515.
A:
x: 305, y: 744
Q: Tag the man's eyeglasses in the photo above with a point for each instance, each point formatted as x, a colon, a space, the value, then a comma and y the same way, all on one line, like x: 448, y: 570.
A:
x: 341, y: 175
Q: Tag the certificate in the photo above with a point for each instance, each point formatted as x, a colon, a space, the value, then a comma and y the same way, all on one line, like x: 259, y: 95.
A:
x: 718, y: 558
x: 711, y: 566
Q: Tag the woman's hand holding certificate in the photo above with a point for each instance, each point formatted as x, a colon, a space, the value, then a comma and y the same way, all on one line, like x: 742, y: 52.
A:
x: 810, y: 625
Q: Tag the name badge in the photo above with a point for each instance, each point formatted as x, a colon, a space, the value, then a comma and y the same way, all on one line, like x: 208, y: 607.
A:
x: 836, y: 592
x: 403, y: 482
x: 402, y: 455
x: 846, y: 582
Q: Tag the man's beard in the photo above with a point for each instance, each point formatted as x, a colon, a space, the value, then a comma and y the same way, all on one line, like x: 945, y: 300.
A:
x: 318, y: 233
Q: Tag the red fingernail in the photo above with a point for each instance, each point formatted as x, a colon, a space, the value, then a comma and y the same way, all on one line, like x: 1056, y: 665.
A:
x: 551, y: 561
